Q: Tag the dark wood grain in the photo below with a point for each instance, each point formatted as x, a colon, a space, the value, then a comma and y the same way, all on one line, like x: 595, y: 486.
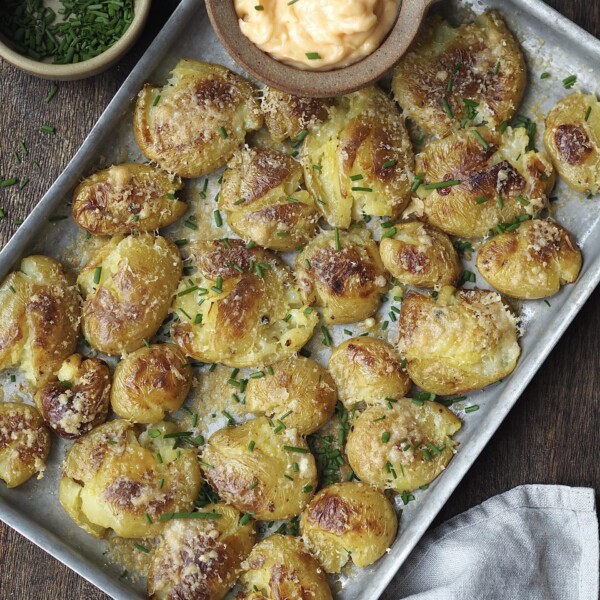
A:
x: 551, y: 436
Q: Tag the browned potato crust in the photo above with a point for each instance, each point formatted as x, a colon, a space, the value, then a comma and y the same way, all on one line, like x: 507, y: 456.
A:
x: 39, y: 318
x: 24, y: 443
x: 200, y: 558
x: 279, y: 568
x: 79, y: 400
x: 572, y: 138
x: 137, y: 276
x: 344, y: 281
x: 368, y: 369
x: 531, y: 262
x: 300, y: 393
x: 480, y: 62
x: 199, y: 120
x: 151, y: 382
x: 261, y: 195
x: 348, y: 521
x: 461, y: 341
x: 420, y: 255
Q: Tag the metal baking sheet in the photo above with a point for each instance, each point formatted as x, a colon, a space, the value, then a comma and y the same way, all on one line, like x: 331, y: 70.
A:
x: 551, y: 43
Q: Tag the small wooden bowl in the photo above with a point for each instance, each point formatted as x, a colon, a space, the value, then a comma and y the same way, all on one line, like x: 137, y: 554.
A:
x: 317, y: 84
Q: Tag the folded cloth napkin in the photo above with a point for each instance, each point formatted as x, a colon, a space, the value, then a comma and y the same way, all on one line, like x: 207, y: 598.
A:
x: 535, y: 542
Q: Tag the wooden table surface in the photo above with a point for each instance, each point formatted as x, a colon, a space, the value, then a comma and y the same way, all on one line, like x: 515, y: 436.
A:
x: 551, y: 436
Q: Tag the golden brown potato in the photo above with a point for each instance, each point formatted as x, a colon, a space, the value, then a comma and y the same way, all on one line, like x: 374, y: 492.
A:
x: 341, y: 273
x: 367, y: 369
x: 299, y: 393
x: 240, y: 308
x: 360, y: 160
x: 126, y: 198
x: 494, y: 178
x: 39, y: 318
x: 116, y: 478
x: 79, y: 400
x: 404, y: 447
x: 261, y: 195
x: 258, y: 470
x: 287, y: 116
x: 193, y: 124
x: 348, y: 521
x: 24, y: 443
x: 530, y: 262
x: 279, y: 568
x: 200, y: 558
x: 461, y: 341
x: 128, y: 285
x: 572, y: 138
x: 452, y: 77
x: 420, y: 255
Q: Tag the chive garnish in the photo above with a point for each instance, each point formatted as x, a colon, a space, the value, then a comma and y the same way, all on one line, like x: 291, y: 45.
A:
x: 245, y: 519
x: 479, y: 137
x: 251, y: 445
x: 190, y: 515
x: 441, y: 184
x: 447, y: 108
x: 545, y: 75
x: 218, y: 218
x: 338, y: 246
x: 326, y: 341
x: 51, y: 93
x: 296, y: 449
x: 48, y: 129
x: 388, y: 164
x: 141, y: 548
x: 569, y: 82
x: 313, y: 56
x: 588, y: 113
x: 361, y: 189
x: 223, y: 133
x: 385, y: 437
x: 156, y: 100
x: 97, y: 275
x: 472, y: 408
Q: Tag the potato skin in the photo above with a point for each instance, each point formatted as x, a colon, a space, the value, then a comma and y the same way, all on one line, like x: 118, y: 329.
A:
x: 363, y: 138
x: 126, y: 198
x: 247, y: 324
x: 254, y: 480
x: 281, y: 567
x: 572, y: 141
x: 137, y: 279
x: 348, y: 521
x: 40, y: 310
x: 530, y: 262
x: 111, y: 479
x: 418, y: 449
x: 345, y: 284
x: 200, y: 558
x: 79, y: 400
x: 505, y: 168
x: 369, y: 370
x: 445, y: 340
x: 420, y: 255
x: 24, y: 443
x: 200, y: 120
x: 299, y: 385
x: 482, y: 59
x: 151, y: 382
x: 261, y: 195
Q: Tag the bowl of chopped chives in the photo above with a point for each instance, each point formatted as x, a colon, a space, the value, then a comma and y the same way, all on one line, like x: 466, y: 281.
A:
x: 69, y: 39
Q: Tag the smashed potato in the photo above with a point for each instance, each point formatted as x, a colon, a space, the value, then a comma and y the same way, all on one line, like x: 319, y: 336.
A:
x: 39, y: 318
x: 127, y: 198
x: 404, y: 447
x: 201, y: 557
x: 195, y: 123
x: 240, y: 308
x: 452, y: 77
x: 367, y: 369
x: 572, y: 138
x: 420, y: 255
x: 115, y: 478
x: 530, y: 262
x: 299, y: 393
x: 461, y: 341
x: 281, y: 567
x: 261, y: 195
x: 24, y: 443
x: 492, y: 179
x: 128, y: 285
x: 348, y: 521
x: 261, y: 469
x: 359, y: 160
x: 151, y: 382
x: 79, y: 400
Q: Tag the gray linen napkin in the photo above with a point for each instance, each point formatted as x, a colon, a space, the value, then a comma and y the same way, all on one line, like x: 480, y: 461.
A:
x: 535, y: 542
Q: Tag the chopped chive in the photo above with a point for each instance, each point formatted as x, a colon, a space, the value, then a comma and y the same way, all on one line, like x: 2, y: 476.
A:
x: 497, y: 68
x: 588, y: 113
x: 472, y: 408
x: 481, y: 200
x: 48, y: 129
x: 389, y: 233
x: 361, y: 189
x: 313, y: 56
x: 479, y: 137
x: 97, y: 275
x: 148, y: 519
x: 141, y: 548
x: 51, y: 93
x: 356, y: 177
x: 385, y: 437
x: 307, y: 489
x: 545, y: 75
x: 223, y: 133
x: 447, y: 108
x: 251, y: 445
x: 245, y: 519
x: 218, y: 218
x: 190, y: 515
x: 156, y: 100
x: 569, y: 82
x: 338, y: 246
x: 296, y: 449
x: 388, y: 164
x: 522, y: 200
x: 326, y: 341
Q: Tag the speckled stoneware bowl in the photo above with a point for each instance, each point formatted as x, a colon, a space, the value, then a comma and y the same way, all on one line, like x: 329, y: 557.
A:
x: 317, y: 84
